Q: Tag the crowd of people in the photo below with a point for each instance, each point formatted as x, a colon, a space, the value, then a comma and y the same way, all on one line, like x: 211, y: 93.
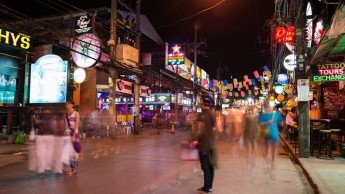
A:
x: 54, y: 141
x: 249, y: 126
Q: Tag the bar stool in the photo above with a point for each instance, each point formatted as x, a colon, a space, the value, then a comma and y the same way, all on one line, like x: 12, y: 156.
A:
x: 314, y: 140
x: 325, y: 143
x: 338, y: 142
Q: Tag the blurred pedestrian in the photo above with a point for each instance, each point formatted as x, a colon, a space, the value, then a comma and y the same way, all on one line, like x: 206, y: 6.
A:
x: 59, y: 129
x: 72, y: 127
x: 45, y: 141
x: 250, y: 134
x: 237, y: 123
x: 219, y: 125
x: 269, y: 121
x: 205, y: 138
x: 229, y: 125
x: 32, y: 155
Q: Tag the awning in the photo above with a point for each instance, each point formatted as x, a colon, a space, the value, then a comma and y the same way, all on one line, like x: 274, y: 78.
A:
x: 333, y: 42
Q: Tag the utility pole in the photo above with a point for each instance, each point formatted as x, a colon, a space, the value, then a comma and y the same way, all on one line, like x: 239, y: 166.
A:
x: 112, y: 44
x: 195, y: 45
x: 137, y: 81
x: 302, y: 82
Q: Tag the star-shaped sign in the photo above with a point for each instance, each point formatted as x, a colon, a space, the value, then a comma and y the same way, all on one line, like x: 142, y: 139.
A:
x: 176, y: 49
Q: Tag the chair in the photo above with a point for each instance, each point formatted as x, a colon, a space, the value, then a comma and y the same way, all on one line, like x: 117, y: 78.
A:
x: 325, y: 144
x: 338, y: 141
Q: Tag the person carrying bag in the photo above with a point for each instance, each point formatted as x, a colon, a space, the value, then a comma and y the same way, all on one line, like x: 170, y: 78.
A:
x: 73, y: 121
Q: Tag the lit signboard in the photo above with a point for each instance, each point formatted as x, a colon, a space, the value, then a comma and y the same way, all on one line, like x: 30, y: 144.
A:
x: 86, y: 50
x: 285, y: 35
x: 48, y: 80
x: 327, y: 72
x: 19, y: 40
x: 83, y: 24
x: 176, y: 57
x: 282, y: 78
x: 6, y: 97
x: 79, y: 75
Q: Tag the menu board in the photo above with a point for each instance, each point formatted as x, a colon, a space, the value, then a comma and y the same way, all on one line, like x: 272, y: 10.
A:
x: 48, y: 80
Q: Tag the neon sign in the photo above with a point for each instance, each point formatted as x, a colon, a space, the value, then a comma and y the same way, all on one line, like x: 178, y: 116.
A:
x: 328, y: 72
x: 176, y: 57
x: 285, y: 35
x: 19, y: 40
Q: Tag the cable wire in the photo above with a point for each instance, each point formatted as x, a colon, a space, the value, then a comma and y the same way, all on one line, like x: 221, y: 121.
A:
x: 189, y: 17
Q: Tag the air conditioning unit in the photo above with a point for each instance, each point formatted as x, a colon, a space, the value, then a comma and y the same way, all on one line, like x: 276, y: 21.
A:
x: 127, y: 54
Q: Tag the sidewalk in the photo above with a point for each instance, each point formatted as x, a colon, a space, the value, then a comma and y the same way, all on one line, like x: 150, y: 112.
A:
x: 12, y: 153
x: 326, y: 176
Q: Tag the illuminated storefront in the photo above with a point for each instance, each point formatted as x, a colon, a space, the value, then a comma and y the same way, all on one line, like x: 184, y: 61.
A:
x: 13, y: 93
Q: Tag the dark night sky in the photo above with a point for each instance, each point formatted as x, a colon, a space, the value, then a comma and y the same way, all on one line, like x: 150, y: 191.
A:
x: 231, y: 29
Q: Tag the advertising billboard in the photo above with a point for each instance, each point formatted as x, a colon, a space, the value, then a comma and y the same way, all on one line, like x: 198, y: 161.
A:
x: 48, y: 80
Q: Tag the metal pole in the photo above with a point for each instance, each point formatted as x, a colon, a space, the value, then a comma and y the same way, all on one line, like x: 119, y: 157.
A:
x: 137, y: 81
x: 176, y: 91
x: 112, y: 44
x: 195, y: 65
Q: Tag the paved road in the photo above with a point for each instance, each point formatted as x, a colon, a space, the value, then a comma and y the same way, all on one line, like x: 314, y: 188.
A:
x: 150, y: 164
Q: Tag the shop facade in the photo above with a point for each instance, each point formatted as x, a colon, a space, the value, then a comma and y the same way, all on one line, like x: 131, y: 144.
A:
x: 13, y: 80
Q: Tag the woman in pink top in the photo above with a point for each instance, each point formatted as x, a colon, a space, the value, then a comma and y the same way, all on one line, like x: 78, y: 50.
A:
x: 72, y: 125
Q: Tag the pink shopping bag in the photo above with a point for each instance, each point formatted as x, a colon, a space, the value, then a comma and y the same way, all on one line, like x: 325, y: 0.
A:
x: 189, y: 152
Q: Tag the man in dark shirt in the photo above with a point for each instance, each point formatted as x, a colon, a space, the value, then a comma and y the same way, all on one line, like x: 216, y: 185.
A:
x: 205, y: 137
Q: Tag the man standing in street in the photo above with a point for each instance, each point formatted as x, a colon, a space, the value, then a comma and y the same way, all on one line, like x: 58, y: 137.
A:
x: 205, y: 138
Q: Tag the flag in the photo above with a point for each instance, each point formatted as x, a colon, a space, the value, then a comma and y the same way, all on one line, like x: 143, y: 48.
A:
x: 250, y: 82
x: 231, y: 87
x: 215, y: 83
x: 211, y: 84
x: 235, y: 82
x: 243, y: 94
x: 240, y: 85
x: 256, y: 74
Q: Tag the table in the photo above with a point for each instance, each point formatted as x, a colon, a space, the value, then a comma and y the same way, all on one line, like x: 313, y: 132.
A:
x: 314, y: 133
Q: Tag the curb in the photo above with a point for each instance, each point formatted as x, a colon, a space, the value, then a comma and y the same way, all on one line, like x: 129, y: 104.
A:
x: 314, y: 180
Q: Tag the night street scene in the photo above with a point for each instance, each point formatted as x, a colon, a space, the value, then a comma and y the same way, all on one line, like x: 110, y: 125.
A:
x: 172, y: 96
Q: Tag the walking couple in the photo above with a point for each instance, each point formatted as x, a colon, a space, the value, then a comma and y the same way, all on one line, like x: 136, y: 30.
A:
x: 54, y: 141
